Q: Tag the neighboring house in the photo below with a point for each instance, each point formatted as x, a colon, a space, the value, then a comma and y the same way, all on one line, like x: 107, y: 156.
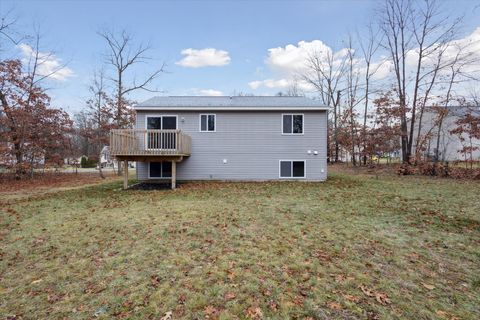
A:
x: 107, y: 161
x: 72, y: 160
x: 35, y: 158
x: 226, y: 138
x: 105, y: 158
x: 450, y: 144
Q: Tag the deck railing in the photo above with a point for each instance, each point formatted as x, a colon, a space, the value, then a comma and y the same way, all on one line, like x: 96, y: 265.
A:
x: 142, y: 142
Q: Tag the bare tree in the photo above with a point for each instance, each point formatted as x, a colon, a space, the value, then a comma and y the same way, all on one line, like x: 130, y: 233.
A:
x: 7, y: 30
x: 432, y: 33
x: 463, y: 58
x: 394, y: 23
x: 294, y: 89
x: 352, y: 76
x: 101, y: 114
x: 369, y: 46
x: 123, y: 55
x: 325, y: 72
x: 415, y: 34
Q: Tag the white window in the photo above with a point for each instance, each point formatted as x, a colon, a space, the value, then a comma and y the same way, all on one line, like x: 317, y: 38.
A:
x: 207, y: 123
x: 292, y: 123
x: 292, y: 168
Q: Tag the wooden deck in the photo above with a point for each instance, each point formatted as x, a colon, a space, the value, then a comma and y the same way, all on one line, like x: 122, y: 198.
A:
x: 131, y: 144
x: 150, y: 146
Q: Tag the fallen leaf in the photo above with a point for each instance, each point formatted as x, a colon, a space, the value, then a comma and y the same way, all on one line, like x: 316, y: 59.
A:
x: 272, y: 305
x: 382, y: 298
x: 334, y: 306
x: 181, y: 299
x: 229, y: 296
x: 254, y: 313
x: 322, y: 255
x: 367, y: 291
x: 298, y: 300
x: 52, y: 298
x: 155, y: 281
x: 339, y: 278
x: 167, y: 316
x: 441, y: 313
x: 428, y: 286
x: 372, y: 315
x: 231, y: 275
x: 210, y: 311
x: 351, y: 298
x: 37, y: 281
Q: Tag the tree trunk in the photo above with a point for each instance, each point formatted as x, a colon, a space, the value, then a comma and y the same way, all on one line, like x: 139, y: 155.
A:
x: 119, y: 113
x: 364, y: 131
x: 438, y: 139
x: 335, y: 114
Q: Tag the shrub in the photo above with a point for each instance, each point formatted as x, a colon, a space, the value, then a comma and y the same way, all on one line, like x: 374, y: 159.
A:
x: 439, y: 170
x: 87, y: 163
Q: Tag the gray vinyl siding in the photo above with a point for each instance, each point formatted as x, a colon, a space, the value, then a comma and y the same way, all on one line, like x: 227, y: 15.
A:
x: 450, y: 144
x: 250, y: 141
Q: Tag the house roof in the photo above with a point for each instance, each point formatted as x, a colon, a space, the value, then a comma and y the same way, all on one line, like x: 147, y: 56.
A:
x: 456, y: 111
x: 230, y: 103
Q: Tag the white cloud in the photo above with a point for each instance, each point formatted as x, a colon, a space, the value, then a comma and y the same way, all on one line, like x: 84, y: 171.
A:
x: 269, y: 83
x: 204, y: 92
x: 48, y: 64
x: 468, y: 48
x: 281, y: 84
x: 291, y: 61
x: 203, y: 58
x: 210, y: 92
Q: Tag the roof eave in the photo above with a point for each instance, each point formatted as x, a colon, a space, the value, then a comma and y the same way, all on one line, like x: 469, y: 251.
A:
x: 222, y: 108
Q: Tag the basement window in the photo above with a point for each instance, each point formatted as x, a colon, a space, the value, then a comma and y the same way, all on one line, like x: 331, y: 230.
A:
x: 292, y: 168
x: 207, y: 123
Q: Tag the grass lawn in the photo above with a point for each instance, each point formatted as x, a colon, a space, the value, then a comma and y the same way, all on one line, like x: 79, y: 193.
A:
x: 352, y: 247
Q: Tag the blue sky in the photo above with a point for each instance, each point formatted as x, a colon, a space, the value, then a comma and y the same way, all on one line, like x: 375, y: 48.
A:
x: 245, y: 30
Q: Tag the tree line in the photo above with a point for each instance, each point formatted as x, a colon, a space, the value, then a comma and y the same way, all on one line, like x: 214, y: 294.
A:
x: 390, y: 90
x: 427, y: 72
x: 35, y: 134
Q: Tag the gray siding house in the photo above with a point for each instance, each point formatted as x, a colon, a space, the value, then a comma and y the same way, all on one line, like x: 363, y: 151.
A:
x: 449, y: 144
x: 226, y: 138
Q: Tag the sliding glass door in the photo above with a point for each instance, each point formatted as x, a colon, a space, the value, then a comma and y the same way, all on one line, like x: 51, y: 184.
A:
x: 159, y: 139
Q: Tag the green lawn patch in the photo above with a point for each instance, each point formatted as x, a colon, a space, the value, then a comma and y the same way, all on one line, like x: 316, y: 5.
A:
x: 352, y: 247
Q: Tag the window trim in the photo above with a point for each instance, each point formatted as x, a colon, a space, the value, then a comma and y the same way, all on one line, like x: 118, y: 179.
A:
x: 292, y: 133
x: 157, y: 178
x: 291, y: 161
x: 200, y: 122
x: 160, y: 116
x: 146, y: 128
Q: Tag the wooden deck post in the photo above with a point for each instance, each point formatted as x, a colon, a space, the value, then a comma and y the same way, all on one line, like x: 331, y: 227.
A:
x: 125, y: 174
x: 174, y: 174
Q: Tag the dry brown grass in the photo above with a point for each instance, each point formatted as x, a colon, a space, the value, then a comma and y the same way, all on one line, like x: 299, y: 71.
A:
x: 354, y: 247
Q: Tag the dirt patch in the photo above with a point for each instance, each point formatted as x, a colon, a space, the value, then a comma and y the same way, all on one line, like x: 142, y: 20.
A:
x: 153, y: 186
